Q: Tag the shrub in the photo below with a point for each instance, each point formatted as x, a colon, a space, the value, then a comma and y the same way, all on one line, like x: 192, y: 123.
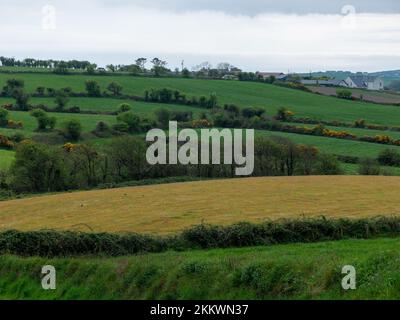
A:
x: 72, y: 129
x: 369, y: 167
x: 131, y: 120
x: 124, y: 107
x: 115, y: 88
x: 389, y: 157
x: 3, y: 117
x: 344, y: 94
x: 284, y: 114
x: 328, y: 165
x: 44, y: 121
x: 61, y: 99
x: 11, y: 124
x: 93, y: 88
x: 121, y: 127
x: 6, y: 143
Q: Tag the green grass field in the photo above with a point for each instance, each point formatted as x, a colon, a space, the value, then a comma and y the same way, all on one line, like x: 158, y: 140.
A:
x: 6, y: 157
x: 331, y: 145
x: 241, y: 93
x: 110, y: 105
x: 296, y: 271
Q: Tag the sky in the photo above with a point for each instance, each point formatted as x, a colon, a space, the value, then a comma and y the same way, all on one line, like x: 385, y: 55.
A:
x: 254, y: 35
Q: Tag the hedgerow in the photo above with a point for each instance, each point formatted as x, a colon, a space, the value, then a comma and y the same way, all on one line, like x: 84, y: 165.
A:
x: 49, y: 243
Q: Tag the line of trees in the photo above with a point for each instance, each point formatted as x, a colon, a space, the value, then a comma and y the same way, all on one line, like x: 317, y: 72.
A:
x: 37, y: 63
x: 42, y: 168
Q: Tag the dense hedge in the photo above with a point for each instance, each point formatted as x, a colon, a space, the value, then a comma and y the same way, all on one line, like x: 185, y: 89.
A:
x: 59, y: 244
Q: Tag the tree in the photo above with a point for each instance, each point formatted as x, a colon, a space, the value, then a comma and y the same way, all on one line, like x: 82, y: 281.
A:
x: 22, y: 99
x: 185, y: 73
x: 111, y: 68
x: 124, y: 107
x: 163, y: 116
x: 38, y: 168
x: 91, y: 69
x: 61, y: 99
x: 72, y: 129
x: 115, y: 88
x: 62, y: 68
x: 12, y: 85
x: 128, y: 158
x: 141, y: 63
x: 93, y: 88
x: 44, y: 121
x: 40, y: 91
x: 131, y: 120
x: 159, y: 67
x: 328, y: 165
x: 369, y: 167
x: 3, y: 117
x: 389, y: 157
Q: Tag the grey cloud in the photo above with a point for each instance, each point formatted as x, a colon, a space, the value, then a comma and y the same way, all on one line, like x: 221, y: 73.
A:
x: 253, y: 7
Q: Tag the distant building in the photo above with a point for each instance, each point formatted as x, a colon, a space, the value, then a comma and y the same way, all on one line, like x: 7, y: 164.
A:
x: 363, y: 82
x: 230, y: 77
x: 277, y: 75
x: 325, y: 83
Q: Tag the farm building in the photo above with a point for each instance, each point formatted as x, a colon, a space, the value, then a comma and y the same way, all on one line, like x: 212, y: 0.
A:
x: 277, y: 75
x: 363, y: 82
x: 325, y: 83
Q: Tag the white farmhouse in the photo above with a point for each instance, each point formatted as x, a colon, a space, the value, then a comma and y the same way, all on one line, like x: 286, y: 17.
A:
x: 363, y: 82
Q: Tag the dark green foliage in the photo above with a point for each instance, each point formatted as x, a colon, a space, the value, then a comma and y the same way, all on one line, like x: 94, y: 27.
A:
x: 44, y: 121
x: 72, y: 129
x: 3, y: 117
x: 344, y: 94
x: 58, y: 244
x: 369, y: 167
x: 124, y: 107
x: 61, y: 99
x: 93, y: 88
x: 11, y: 86
x: 389, y: 157
x: 115, y: 88
x: 37, y: 168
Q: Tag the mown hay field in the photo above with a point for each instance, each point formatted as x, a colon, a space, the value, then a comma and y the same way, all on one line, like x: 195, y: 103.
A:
x: 165, y: 209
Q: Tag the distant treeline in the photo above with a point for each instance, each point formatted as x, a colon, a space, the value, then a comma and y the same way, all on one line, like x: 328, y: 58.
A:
x: 34, y: 63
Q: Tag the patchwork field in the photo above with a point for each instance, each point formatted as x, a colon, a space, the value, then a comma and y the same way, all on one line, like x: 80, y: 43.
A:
x: 373, y: 96
x: 243, y: 94
x: 165, y: 209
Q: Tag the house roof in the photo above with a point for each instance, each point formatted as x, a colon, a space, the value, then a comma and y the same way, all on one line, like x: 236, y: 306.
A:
x: 361, y: 81
x: 268, y: 74
x: 333, y: 82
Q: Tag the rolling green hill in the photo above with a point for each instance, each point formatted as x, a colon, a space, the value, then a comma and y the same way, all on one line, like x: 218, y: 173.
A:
x: 243, y: 94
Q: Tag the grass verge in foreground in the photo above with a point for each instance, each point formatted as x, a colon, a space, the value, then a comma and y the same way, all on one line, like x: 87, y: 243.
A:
x: 296, y: 271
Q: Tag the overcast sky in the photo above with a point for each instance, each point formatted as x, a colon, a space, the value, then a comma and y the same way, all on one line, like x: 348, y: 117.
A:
x: 263, y: 35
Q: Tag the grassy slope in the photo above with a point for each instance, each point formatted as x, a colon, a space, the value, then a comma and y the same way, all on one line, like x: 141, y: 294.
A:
x: 164, y: 209
x: 240, y: 93
x: 331, y: 145
x: 6, y: 157
x: 299, y: 271
x: 109, y: 105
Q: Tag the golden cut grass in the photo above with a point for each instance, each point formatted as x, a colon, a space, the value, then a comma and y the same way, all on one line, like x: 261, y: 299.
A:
x: 165, y: 209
